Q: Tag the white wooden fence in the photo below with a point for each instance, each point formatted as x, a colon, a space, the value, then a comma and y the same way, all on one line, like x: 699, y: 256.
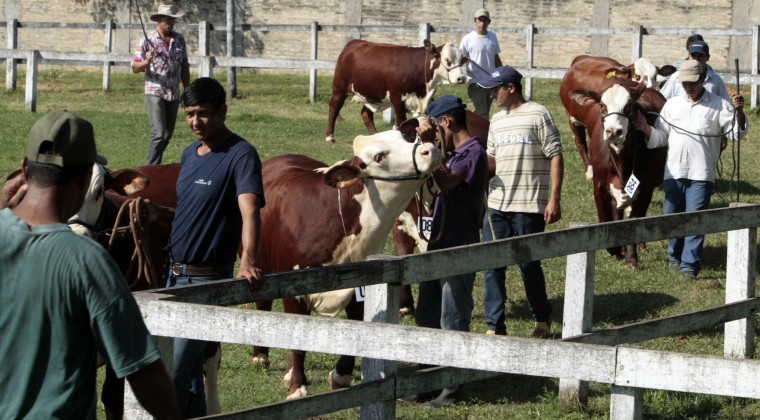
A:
x: 582, y: 355
x: 207, y: 62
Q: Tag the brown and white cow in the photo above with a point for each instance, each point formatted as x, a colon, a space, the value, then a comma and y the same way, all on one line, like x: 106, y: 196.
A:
x: 617, y: 150
x: 386, y: 75
x: 591, y: 73
x: 318, y: 215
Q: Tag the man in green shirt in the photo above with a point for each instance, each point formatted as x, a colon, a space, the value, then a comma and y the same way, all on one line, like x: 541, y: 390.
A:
x: 62, y: 298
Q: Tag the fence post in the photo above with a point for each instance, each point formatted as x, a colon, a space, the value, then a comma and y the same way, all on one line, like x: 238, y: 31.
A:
x: 380, y: 305
x: 529, y: 44
x: 231, y: 71
x: 741, y: 255
x: 313, y: 56
x: 107, y: 62
x: 577, y: 316
x: 755, y: 63
x: 424, y: 32
x: 626, y: 403
x: 207, y: 66
x: 203, y: 41
x: 638, y: 42
x: 132, y: 408
x: 11, y: 42
x: 31, y: 81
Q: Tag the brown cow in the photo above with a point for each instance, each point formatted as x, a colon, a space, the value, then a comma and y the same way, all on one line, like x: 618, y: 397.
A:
x: 318, y: 215
x: 382, y: 74
x: 618, y: 151
x: 591, y: 73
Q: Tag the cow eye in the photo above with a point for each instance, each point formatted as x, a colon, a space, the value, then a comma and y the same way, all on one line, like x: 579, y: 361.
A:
x: 379, y: 157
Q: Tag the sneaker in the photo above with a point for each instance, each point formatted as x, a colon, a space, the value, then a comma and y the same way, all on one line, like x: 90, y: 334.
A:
x: 673, y: 265
x: 689, y: 275
x: 543, y: 329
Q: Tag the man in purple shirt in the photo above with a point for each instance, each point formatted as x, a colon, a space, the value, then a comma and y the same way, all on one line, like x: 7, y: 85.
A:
x: 447, y: 303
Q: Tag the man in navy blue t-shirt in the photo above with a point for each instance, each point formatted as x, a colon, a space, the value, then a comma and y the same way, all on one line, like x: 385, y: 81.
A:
x: 219, y: 196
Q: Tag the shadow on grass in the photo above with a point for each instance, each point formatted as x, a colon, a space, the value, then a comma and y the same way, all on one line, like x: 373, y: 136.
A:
x: 617, y: 309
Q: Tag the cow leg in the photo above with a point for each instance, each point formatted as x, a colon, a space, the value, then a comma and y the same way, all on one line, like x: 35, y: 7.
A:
x: 212, y: 362
x: 369, y: 120
x: 638, y: 209
x: 337, y: 100
x: 112, y: 395
x: 605, y: 208
x: 579, y: 135
x: 341, y: 375
x: 404, y: 244
x: 296, y: 375
x: 399, y: 108
x: 261, y: 354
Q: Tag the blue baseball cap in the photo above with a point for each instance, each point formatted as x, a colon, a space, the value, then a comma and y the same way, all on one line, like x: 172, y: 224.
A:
x: 502, y: 75
x: 699, y: 47
x: 444, y: 104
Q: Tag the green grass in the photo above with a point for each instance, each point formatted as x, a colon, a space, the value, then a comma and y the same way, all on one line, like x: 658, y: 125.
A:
x: 273, y: 112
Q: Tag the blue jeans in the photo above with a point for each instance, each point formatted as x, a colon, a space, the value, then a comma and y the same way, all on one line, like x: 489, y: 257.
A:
x: 683, y: 195
x: 187, y: 371
x: 446, y: 303
x: 163, y: 116
x: 508, y: 225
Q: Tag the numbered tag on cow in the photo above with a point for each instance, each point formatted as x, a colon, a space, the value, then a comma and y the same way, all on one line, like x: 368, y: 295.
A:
x: 632, y: 185
x: 425, y: 226
x: 360, y: 294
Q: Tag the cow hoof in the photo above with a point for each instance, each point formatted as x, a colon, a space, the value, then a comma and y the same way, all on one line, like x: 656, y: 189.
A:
x: 632, y: 264
x: 336, y: 381
x: 402, y: 312
x: 262, y: 361
x: 589, y: 172
x: 298, y: 393
x: 330, y: 139
x: 642, y: 246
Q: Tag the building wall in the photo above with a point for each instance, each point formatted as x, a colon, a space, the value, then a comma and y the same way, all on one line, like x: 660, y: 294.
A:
x: 507, y: 16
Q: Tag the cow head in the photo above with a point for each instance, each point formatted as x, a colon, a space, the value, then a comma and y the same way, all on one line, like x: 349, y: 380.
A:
x: 385, y: 156
x: 447, y: 63
x: 642, y: 71
x: 616, y: 106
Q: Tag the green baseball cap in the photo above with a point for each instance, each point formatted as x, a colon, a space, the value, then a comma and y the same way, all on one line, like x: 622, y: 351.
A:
x: 63, y: 139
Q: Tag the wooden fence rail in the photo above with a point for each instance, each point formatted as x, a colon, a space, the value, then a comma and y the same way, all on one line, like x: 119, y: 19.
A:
x: 583, y: 355
x: 207, y: 62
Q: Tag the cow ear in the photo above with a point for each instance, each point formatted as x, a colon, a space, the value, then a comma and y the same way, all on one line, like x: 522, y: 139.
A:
x: 341, y: 175
x: 584, y: 97
x: 666, y: 70
x: 408, y: 129
x: 616, y: 71
x: 126, y: 181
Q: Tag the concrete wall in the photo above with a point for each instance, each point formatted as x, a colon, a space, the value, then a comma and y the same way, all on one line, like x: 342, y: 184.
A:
x: 550, y: 50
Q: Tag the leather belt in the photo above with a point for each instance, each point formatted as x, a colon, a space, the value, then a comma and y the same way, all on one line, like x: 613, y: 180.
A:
x: 199, y: 270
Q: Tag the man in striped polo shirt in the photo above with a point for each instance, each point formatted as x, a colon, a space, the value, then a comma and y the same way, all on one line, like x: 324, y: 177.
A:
x: 525, y: 160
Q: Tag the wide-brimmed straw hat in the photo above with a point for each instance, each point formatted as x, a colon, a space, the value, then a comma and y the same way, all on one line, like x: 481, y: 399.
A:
x: 171, y: 10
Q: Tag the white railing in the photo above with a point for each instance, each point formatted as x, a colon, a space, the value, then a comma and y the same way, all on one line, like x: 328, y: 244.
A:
x: 207, y: 63
x: 582, y: 355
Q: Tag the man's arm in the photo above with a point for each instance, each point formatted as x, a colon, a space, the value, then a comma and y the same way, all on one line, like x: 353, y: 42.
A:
x: 497, y: 60
x: 140, y: 66
x: 553, y: 210
x: 185, y: 76
x: 153, y: 390
x: 250, y: 210
x: 446, y: 179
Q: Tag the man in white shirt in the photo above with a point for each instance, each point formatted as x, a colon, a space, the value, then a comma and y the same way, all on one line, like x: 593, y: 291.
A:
x: 692, y: 125
x: 699, y: 51
x: 482, y: 49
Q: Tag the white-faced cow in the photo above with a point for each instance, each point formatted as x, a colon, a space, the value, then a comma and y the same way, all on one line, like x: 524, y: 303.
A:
x: 318, y: 215
x: 385, y: 75
x: 591, y: 73
x: 618, y: 151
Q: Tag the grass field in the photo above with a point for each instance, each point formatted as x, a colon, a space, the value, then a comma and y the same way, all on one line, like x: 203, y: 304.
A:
x: 273, y: 112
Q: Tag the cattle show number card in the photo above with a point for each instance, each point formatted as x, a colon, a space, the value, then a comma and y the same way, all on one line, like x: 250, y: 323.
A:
x: 632, y: 185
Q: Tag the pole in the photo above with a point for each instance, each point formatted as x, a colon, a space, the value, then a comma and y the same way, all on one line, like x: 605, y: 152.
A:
x: 738, y: 141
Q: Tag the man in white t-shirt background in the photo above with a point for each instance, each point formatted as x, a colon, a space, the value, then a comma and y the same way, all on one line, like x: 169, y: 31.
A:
x: 482, y: 49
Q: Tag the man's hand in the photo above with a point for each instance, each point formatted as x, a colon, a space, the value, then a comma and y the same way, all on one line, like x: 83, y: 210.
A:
x: 427, y: 130
x: 738, y: 101
x: 253, y: 275
x: 553, y: 212
x: 14, y: 190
